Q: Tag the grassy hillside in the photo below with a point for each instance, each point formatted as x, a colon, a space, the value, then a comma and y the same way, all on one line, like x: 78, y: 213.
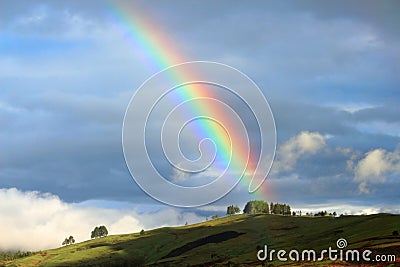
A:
x: 229, y: 241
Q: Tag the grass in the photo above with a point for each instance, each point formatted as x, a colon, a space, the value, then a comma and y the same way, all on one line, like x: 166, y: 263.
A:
x: 278, y: 232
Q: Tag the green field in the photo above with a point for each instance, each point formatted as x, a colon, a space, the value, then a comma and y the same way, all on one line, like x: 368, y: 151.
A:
x: 230, y: 241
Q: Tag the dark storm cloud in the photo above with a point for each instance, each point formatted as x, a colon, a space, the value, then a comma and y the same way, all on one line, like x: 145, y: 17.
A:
x: 382, y: 16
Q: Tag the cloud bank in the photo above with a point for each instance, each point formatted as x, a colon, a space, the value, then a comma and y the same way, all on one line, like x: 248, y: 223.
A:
x: 35, y: 221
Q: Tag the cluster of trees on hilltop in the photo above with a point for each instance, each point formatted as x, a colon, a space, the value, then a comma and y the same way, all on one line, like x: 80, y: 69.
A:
x: 261, y: 206
x: 277, y: 208
x: 256, y: 206
x: 99, y: 231
x: 68, y: 241
x: 325, y: 213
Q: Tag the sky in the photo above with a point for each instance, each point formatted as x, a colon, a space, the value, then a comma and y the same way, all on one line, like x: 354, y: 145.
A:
x: 68, y: 69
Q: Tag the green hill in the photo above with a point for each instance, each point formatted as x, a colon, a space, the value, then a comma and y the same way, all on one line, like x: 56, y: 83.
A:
x: 229, y: 241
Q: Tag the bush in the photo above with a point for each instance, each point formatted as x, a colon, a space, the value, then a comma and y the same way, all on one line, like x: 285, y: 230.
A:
x: 395, y: 233
x: 7, y: 256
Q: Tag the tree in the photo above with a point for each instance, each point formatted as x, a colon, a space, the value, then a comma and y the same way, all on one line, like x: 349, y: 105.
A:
x: 236, y: 209
x: 232, y: 210
x: 95, y: 232
x: 288, y: 210
x: 215, y: 216
x: 277, y: 209
x: 229, y: 210
x: 103, y: 231
x: 71, y: 239
x: 142, y: 232
x: 65, y: 242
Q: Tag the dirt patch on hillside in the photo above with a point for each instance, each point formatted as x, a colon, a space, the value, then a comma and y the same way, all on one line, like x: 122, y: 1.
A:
x: 217, y: 238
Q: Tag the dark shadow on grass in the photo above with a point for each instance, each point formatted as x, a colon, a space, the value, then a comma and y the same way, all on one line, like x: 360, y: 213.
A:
x: 217, y: 238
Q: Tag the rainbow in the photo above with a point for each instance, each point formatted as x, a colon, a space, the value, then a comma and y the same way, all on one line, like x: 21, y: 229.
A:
x: 158, y: 52
x: 146, y: 37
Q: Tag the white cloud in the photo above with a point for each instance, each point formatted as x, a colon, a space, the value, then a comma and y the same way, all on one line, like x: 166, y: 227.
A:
x: 210, y: 174
x: 374, y: 167
x: 303, y: 143
x: 354, y: 107
x: 178, y: 175
x: 35, y: 221
x: 347, y: 209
